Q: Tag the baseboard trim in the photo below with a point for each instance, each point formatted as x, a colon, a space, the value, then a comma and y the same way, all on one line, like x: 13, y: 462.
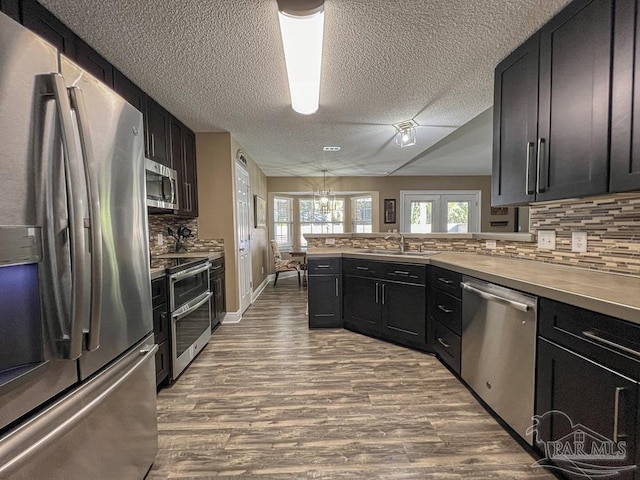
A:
x: 232, y: 317
x: 260, y: 289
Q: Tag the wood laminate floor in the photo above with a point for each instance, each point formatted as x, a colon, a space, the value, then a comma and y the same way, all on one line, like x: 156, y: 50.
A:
x: 270, y: 399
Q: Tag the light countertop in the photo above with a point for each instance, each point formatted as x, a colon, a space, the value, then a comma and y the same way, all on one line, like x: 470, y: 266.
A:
x: 608, y: 293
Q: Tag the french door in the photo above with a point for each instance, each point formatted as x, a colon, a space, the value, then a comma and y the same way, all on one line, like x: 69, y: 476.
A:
x: 428, y: 212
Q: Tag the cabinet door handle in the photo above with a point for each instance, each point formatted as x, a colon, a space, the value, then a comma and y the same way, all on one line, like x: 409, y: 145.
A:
x: 444, y: 309
x: 598, y: 338
x: 216, y: 268
x: 153, y: 145
x: 527, y: 190
x: 337, y: 287
x: 377, y: 295
x: 401, y: 272
x: 323, y: 266
x: 445, y: 281
x: 382, y: 294
x: 443, y: 343
x: 362, y: 268
x: 616, y: 413
x: 538, y: 163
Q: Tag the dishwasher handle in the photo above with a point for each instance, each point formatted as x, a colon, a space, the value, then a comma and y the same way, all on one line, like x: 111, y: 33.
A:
x: 523, y: 307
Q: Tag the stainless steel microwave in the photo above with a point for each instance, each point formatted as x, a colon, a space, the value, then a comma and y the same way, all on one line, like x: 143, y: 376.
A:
x: 162, y: 190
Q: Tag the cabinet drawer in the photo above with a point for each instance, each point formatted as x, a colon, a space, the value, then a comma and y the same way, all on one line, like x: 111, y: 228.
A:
x: 405, y: 272
x: 322, y: 266
x: 447, y: 310
x: 159, y: 291
x: 446, y: 280
x: 447, y: 346
x: 612, y: 342
x: 217, y: 267
x: 363, y: 268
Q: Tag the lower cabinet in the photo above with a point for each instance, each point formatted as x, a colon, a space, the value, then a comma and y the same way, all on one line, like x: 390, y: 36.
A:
x: 587, y: 394
x: 218, y: 298
x: 391, y: 309
x: 325, y: 293
x: 161, y: 328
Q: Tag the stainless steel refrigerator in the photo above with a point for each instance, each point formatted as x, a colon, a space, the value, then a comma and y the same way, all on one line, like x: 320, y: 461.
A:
x: 77, y: 369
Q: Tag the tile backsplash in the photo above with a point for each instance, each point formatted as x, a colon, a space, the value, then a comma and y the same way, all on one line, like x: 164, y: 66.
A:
x: 159, y: 224
x: 612, y: 225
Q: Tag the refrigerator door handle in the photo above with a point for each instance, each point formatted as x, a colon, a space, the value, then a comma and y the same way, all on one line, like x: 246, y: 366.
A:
x: 92, y: 338
x: 74, y: 169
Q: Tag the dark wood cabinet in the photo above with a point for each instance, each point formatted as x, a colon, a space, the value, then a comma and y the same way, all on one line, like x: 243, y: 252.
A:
x: 569, y: 155
x: 324, y: 293
x: 42, y: 22
x: 588, y: 368
x: 183, y: 158
x: 444, y: 315
x: 157, y: 133
x: 11, y: 8
x: 586, y: 399
x: 161, y: 328
x: 217, y: 285
x: 515, y: 126
x: 130, y: 92
x: 94, y: 63
x: 387, y: 300
x: 625, y: 103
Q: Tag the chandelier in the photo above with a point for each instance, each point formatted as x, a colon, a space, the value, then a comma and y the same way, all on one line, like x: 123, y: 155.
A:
x: 323, y: 199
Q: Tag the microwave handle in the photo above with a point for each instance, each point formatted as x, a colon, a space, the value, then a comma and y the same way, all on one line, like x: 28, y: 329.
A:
x: 173, y: 191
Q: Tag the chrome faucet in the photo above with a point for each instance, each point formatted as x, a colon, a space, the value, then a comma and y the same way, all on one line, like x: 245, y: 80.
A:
x: 400, y: 240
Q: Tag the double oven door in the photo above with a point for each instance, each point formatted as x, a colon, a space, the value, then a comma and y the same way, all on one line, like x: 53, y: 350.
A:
x: 189, y: 298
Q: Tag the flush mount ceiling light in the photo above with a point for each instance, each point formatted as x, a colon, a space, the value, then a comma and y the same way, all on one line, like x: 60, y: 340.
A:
x: 323, y: 197
x: 405, y: 133
x: 301, y: 27
x: 331, y: 149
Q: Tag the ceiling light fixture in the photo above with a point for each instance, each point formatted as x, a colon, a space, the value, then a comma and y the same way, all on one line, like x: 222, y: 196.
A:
x: 323, y: 198
x: 301, y: 27
x: 406, y: 133
x: 331, y: 149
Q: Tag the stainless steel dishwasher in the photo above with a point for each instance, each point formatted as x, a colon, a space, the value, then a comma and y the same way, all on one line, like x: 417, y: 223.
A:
x: 499, y: 349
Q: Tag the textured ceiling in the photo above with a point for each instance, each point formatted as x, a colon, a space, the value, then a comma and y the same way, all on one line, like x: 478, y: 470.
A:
x: 218, y: 65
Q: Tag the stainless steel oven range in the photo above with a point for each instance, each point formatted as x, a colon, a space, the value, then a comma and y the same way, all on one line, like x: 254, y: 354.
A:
x: 189, y: 295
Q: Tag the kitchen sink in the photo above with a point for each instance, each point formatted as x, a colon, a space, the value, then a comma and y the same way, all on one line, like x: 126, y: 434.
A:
x: 424, y: 253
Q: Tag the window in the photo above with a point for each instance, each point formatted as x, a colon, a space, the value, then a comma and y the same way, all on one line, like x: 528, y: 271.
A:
x: 361, y: 214
x: 283, y: 221
x: 452, y: 212
x: 314, y: 220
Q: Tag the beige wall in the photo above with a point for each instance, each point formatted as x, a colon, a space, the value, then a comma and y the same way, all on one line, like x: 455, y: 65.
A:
x: 216, y: 153
x: 390, y: 187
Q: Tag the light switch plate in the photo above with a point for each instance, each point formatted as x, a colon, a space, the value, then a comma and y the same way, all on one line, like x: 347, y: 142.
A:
x: 579, y: 242
x: 546, y: 239
x: 491, y: 244
x: 329, y: 241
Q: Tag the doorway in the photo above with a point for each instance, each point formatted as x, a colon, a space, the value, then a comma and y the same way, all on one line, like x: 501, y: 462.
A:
x: 243, y: 236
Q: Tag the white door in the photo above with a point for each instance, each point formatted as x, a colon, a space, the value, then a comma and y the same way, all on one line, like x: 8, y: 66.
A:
x: 243, y: 232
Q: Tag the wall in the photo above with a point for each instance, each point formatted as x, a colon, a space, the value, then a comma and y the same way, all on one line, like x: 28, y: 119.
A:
x: 216, y: 154
x: 612, y: 224
x: 390, y: 187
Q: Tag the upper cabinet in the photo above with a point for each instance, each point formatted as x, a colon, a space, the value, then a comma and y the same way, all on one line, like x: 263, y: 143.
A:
x: 625, y: 105
x: 183, y: 155
x: 552, y: 98
x: 130, y: 92
x: 40, y: 21
x: 94, y: 63
x: 157, y: 134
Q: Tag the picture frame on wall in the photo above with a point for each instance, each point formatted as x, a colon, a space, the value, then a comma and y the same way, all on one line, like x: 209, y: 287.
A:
x: 259, y: 211
x: 389, y: 210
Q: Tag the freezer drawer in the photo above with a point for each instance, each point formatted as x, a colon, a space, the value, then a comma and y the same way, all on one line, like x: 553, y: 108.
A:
x: 106, y: 428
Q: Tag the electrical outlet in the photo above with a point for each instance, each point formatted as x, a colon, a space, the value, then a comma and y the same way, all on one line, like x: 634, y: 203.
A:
x: 160, y: 240
x: 579, y: 242
x: 329, y: 241
x: 546, y: 239
x: 491, y: 244
x: 262, y: 269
